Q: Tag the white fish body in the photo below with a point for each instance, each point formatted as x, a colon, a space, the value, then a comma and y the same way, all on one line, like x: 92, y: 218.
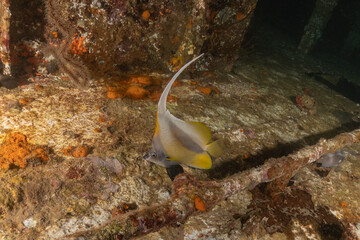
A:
x: 176, y: 141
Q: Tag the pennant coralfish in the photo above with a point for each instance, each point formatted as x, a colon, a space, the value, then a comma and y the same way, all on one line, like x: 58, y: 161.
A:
x: 178, y: 142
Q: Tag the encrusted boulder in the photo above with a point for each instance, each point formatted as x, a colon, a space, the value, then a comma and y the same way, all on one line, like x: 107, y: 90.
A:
x: 92, y: 39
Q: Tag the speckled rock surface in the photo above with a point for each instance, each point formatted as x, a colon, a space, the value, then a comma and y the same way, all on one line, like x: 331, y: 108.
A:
x: 96, y: 39
x: 256, y: 115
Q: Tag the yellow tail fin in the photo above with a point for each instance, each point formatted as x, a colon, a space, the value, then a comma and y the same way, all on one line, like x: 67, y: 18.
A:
x: 214, y: 149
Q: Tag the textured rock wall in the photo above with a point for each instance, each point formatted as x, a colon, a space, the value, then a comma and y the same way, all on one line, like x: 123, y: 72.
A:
x: 314, y: 29
x: 108, y: 36
x: 4, y: 36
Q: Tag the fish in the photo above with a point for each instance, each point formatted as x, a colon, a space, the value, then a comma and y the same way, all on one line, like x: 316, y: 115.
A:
x: 331, y: 160
x: 177, y: 142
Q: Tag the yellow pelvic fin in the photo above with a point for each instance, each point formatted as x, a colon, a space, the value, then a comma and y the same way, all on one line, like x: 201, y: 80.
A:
x: 202, y: 131
x: 214, y: 149
x: 201, y: 160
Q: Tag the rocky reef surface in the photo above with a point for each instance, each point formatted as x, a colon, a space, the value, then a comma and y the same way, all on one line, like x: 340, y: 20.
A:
x: 72, y: 159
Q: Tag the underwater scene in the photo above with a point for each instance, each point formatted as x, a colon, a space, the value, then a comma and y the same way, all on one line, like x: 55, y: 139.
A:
x: 204, y: 119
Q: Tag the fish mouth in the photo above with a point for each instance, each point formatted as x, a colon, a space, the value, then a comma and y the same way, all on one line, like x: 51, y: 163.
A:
x: 146, y: 156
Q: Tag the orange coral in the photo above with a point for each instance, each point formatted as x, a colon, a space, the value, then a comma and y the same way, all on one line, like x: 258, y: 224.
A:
x: 208, y: 90
x: 114, y: 93
x: 172, y: 99
x: 25, y: 101
x: 146, y: 14
x: 77, y: 45
x: 16, y: 151
x: 177, y: 83
x: 142, y: 80
x: 240, y: 16
x: 101, y: 119
x: 204, y: 90
x: 81, y: 151
x: 67, y: 151
x: 136, y: 92
x: 41, y: 153
x: 199, y: 204
x: 137, y: 88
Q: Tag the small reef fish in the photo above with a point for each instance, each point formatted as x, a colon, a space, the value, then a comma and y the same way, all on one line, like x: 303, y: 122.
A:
x: 332, y: 160
x: 178, y: 142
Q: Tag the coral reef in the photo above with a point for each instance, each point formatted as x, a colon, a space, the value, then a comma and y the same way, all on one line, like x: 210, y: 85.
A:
x: 275, y: 171
x: 95, y: 179
x: 69, y: 194
x: 91, y: 40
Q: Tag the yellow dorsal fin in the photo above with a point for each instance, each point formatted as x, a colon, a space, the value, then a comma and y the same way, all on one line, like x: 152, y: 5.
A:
x: 201, y: 160
x: 202, y: 131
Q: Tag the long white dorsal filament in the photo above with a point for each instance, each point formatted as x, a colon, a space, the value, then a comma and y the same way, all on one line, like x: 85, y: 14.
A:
x: 162, y: 101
